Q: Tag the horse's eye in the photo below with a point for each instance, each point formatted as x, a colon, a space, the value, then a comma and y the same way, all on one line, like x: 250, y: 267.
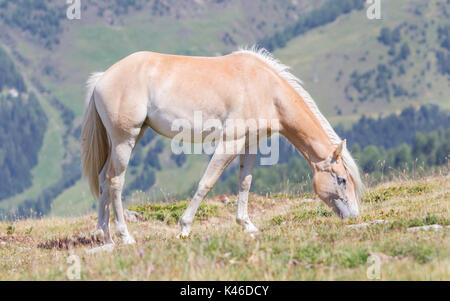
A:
x: 342, y: 180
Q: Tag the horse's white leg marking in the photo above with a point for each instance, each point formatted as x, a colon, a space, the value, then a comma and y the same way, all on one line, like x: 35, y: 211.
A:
x: 103, y: 228
x: 120, y: 157
x: 247, y: 162
x: 216, y: 166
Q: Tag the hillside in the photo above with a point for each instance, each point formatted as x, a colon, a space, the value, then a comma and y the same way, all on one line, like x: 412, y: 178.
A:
x: 300, y: 239
x: 56, y: 55
x: 344, y: 65
x: 375, y: 66
x: 23, y: 125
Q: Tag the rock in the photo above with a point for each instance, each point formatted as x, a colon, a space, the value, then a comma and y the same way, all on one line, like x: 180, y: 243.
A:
x: 132, y: 216
x: 378, y: 221
x: 13, y: 93
x: 363, y: 225
x: 308, y: 201
x: 425, y: 228
x: 106, y: 248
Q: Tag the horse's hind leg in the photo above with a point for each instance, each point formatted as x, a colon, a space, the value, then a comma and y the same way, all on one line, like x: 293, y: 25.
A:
x: 245, y: 180
x: 103, y: 228
x: 120, y: 157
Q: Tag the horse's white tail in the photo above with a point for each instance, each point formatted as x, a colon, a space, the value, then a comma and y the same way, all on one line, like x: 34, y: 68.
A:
x: 94, y: 139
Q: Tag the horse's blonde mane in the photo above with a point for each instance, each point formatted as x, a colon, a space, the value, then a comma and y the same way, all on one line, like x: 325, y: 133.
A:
x: 297, y: 85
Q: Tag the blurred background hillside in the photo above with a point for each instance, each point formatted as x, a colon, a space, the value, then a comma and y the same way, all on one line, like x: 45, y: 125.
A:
x: 384, y: 84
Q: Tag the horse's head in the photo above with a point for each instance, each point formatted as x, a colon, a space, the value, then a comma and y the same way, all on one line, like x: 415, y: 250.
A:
x: 334, y: 184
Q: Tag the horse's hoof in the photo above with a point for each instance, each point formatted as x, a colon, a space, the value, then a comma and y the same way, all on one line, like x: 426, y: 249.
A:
x: 250, y: 228
x: 105, y: 248
x: 99, y: 235
x: 128, y: 240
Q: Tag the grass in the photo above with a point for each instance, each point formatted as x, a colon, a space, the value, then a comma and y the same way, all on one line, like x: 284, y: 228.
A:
x: 171, y: 213
x: 299, y: 239
x: 383, y: 194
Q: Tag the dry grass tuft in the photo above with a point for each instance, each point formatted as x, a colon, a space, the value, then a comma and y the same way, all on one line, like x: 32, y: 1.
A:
x: 68, y: 243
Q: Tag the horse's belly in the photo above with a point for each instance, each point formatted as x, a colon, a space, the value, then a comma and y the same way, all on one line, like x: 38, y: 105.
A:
x: 172, y: 123
x: 162, y: 124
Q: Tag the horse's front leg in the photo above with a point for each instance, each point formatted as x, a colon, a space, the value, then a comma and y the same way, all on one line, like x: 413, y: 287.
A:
x: 219, y: 162
x: 247, y: 162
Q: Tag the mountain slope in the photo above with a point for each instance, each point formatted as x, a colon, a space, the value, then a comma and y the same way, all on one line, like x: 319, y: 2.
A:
x: 337, y: 59
x: 56, y: 55
x: 344, y: 65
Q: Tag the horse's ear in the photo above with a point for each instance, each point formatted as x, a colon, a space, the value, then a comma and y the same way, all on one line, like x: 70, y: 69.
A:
x: 338, y: 152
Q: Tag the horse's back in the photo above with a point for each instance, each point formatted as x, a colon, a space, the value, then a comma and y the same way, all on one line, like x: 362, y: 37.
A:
x: 165, y: 87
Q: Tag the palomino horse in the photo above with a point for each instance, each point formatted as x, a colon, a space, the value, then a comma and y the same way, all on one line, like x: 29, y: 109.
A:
x: 153, y: 90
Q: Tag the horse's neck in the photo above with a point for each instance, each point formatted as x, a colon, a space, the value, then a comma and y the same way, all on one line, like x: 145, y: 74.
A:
x: 302, y: 128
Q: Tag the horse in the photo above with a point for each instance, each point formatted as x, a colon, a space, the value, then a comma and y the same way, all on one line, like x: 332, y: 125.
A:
x: 148, y: 89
